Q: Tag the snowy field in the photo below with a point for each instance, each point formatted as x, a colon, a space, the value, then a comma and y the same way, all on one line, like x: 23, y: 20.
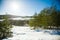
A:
x: 25, y: 33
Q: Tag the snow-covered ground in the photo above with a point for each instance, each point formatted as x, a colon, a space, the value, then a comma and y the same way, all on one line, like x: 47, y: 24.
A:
x: 20, y: 18
x: 25, y: 33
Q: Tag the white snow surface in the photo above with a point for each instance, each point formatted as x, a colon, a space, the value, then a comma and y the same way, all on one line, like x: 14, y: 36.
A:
x: 25, y: 33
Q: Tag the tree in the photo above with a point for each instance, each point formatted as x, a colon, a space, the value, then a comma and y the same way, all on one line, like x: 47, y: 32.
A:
x: 47, y: 18
x: 33, y: 22
x: 5, y: 28
x: 58, y: 19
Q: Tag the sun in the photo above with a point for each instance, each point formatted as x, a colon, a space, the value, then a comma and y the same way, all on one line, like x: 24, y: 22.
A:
x: 14, y: 6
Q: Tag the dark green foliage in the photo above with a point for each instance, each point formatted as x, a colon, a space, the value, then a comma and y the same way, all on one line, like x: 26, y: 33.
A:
x: 19, y: 22
x: 33, y: 22
x: 47, y: 18
x: 5, y: 28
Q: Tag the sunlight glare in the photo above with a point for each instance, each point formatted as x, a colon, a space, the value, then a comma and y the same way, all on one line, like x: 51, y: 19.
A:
x: 14, y: 6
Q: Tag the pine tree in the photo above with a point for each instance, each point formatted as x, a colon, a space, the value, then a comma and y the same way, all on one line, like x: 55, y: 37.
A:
x: 5, y: 28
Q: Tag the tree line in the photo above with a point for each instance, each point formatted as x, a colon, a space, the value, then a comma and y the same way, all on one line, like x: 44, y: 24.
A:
x: 19, y: 22
x: 48, y: 18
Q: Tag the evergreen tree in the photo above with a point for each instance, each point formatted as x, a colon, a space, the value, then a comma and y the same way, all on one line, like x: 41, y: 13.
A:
x: 5, y: 28
x: 47, y: 18
x: 34, y: 22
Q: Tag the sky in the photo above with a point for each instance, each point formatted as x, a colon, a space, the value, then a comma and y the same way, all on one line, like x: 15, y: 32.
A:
x: 23, y: 7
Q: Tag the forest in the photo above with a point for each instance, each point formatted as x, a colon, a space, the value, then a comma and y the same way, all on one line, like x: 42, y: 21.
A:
x: 48, y: 18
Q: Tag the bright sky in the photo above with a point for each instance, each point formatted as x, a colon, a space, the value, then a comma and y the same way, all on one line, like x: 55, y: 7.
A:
x: 23, y: 7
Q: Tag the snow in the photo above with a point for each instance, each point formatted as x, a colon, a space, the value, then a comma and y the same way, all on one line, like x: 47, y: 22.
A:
x: 20, y: 18
x: 25, y: 33
x: 1, y: 19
